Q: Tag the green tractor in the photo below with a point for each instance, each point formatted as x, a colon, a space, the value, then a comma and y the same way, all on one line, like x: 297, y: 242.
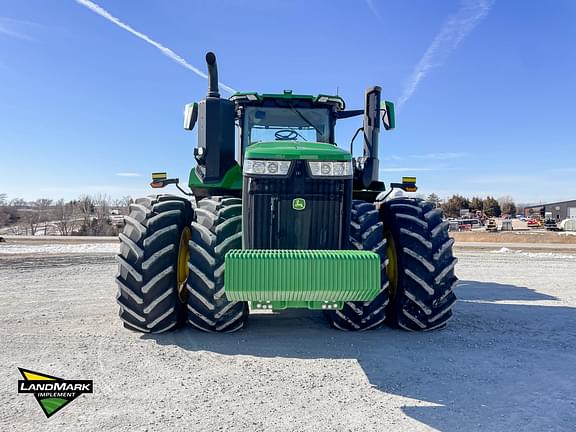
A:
x: 280, y: 217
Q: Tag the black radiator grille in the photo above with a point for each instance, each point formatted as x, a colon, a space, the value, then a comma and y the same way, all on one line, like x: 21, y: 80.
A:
x: 271, y: 222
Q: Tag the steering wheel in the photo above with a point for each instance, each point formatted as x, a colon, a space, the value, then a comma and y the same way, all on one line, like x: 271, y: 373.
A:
x: 286, y: 135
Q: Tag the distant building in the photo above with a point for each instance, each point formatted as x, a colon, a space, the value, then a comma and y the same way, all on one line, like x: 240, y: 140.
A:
x: 560, y: 210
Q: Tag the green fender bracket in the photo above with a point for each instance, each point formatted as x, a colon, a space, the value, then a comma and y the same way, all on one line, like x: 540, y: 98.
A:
x: 313, y: 279
x: 231, y: 180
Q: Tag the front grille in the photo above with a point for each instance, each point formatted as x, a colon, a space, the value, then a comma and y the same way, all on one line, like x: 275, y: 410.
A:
x: 270, y: 222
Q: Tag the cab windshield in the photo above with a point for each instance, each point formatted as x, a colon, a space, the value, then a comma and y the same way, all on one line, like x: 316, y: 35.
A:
x: 285, y: 124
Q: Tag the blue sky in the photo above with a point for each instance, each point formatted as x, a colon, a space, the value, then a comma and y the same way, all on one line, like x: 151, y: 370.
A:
x: 485, y: 89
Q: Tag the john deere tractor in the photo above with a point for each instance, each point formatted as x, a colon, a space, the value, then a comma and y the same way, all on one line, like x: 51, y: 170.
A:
x: 280, y: 217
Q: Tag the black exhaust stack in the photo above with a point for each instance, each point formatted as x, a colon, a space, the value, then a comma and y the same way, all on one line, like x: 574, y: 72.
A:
x: 371, y: 132
x: 215, y: 151
x: 212, y: 75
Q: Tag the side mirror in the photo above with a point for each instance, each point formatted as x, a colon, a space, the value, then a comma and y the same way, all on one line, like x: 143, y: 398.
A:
x: 190, y: 116
x: 388, y: 117
x: 371, y: 128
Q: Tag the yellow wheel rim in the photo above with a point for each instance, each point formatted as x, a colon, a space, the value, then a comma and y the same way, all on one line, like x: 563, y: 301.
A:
x: 183, y: 256
x: 392, y: 268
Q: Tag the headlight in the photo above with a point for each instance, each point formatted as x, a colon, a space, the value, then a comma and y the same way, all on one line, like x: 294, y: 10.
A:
x: 331, y: 169
x: 264, y: 167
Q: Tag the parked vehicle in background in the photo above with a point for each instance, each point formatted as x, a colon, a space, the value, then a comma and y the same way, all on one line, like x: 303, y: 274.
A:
x: 533, y: 223
x: 116, y: 219
x: 550, y: 223
x: 565, y: 225
x: 491, y: 226
x: 468, y: 224
x: 453, y: 225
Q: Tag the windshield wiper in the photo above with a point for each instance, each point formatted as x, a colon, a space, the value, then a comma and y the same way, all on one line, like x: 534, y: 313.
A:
x: 305, y: 119
x: 300, y: 135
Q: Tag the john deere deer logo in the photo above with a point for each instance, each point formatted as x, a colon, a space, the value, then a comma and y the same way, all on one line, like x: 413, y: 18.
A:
x: 298, y: 203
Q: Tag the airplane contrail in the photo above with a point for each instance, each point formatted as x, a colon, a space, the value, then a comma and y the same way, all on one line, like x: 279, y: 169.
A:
x: 455, y: 29
x: 374, y: 9
x: 164, y: 50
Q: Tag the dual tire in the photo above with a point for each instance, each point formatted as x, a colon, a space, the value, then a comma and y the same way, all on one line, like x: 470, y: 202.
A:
x: 417, y: 267
x: 158, y: 292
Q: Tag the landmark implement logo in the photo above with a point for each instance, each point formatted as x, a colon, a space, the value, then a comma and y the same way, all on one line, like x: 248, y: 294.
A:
x: 52, y: 393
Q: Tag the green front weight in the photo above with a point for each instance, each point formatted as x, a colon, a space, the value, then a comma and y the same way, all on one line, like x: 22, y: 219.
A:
x: 313, y: 279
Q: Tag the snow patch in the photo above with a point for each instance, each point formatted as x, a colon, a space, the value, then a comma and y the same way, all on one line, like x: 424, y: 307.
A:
x: 110, y: 248
x: 502, y: 250
x: 519, y: 252
x: 546, y: 255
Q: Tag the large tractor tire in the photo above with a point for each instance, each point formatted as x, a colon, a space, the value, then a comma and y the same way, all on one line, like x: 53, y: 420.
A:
x: 421, y: 265
x: 152, y: 267
x: 216, y: 230
x: 366, y: 233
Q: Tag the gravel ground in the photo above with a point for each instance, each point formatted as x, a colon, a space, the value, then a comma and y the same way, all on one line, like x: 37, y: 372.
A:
x: 507, y: 361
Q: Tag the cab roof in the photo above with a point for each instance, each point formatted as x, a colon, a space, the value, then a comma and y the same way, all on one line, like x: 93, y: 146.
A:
x: 252, y: 97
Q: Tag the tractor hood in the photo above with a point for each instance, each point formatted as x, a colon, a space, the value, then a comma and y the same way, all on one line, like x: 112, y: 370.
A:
x: 293, y: 150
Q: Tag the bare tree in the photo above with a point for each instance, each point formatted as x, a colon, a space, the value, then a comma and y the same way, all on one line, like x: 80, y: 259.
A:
x: 4, y: 210
x: 13, y: 209
x: 85, y: 209
x: 127, y: 200
x: 43, y: 207
x: 4, y: 217
x: 101, y: 223
x: 66, y: 215
x: 507, y: 205
x: 30, y: 217
x: 116, y: 204
x: 8, y: 216
x: 122, y: 205
x: 17, y: 202
x: 35, y: 214
x: 95, y: 215
x: 434, y: 199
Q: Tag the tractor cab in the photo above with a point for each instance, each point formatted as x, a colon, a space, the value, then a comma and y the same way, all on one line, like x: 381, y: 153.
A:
x: 285, y: 117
